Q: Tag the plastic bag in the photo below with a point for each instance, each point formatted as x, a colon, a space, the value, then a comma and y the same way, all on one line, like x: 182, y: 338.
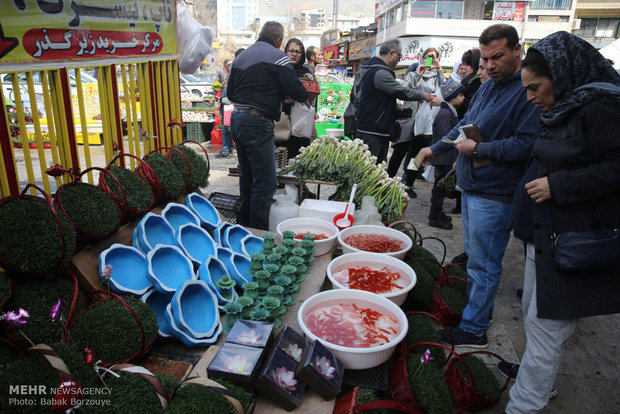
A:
x: 302, y: 120
x: 193, y: 39
x: 429, y: 174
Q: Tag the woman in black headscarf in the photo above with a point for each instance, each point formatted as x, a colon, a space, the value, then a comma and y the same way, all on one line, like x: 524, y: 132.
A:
x: 572, y: 185
x: 470, y: 82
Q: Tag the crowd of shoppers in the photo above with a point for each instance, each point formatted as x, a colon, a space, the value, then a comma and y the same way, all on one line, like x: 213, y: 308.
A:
x: 546, y: 163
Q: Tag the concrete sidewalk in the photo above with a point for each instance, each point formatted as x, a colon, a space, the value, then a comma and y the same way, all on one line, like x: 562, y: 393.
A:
x: 589, y: 377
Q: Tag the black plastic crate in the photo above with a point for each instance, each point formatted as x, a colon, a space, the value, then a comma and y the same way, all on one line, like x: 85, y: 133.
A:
x: 228, y: 205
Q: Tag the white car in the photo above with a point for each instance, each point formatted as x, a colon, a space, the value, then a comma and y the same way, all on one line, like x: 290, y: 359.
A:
x: 7, y: 84
x: 193, y: 85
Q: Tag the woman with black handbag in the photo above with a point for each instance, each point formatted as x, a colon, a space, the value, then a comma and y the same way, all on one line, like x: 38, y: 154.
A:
x: 567, y: 209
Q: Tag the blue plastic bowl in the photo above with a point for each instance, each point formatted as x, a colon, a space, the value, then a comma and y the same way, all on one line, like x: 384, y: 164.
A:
x: 233, y: 236
x: 251, y: 244
x: 242, y: 267
x: 211, y: 271
x: 178, y: 215
x: 225, y: 256
x: 135, y: 240
x: 158, y: 301
x: 194, y: 307
x: 185, y: 337
x: 129, y: 269
x: 153, y: 230
x: 169, y: 268
x: 196, y: 243
x: 204, y: 210
x: 218, y: 233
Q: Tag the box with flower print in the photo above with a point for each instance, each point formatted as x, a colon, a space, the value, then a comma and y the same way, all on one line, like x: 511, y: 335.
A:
x: 251, y: 333
x: 291, y: 342
x: 278, y: 381
x: 321, y: 370
x: 237, y: 363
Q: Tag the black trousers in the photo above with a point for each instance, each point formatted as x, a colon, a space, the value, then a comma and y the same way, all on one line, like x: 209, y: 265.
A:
x: 377, y: 145
x: 400, y: 150
x: 294, y: 144
x: 437, y: 193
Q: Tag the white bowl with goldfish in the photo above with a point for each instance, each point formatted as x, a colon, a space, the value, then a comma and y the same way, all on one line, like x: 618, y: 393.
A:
x: 362, y: 329
x: 375, y: 239
x: 373, y: 272
x: 325, y: 232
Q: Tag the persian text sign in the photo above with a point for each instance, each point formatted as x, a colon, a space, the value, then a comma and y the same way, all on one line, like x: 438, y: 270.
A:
x: 48, y: 30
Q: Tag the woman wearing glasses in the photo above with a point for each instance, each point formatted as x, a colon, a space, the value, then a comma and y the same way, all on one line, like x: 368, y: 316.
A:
x: 297, y: 54
x: 417, y: 131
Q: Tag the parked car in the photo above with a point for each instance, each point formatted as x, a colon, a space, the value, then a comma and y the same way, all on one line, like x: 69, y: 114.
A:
x: 191, y: 84
x: 7, y: 84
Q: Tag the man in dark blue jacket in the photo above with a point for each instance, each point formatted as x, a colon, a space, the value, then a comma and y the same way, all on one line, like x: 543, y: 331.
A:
x: 376, y: 99
x: 261, y: 77
x: 509, y: 125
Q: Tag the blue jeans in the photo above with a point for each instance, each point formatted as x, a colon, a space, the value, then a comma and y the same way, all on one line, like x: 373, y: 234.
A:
x: 227, y: 141
x: 486, y: 231
x: 254, y: 138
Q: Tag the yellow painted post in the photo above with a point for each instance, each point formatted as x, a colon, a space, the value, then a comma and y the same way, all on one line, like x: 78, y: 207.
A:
x: 61, y: 122
x: 85, y: 143
x: 161, y: 95
x: 174, y: 102
x: 146, y: 105
x: 105, y: 119
x: 34, y: 109
x: 128, y: 114
x: 5, y: 187
x: 49, y: 113
x: 177, y: 96
x: 22, y: 131
x: 166, y: 102
x: 134, y: 111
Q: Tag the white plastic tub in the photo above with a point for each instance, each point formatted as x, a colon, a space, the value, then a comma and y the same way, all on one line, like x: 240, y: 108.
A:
x: 323, y: 209
x: 374, y: 261
x: 356, y: 358
x: 312, y: 225
x: 366, y: 229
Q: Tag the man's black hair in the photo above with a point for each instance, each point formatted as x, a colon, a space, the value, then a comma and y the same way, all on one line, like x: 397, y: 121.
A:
x: 497, y: 32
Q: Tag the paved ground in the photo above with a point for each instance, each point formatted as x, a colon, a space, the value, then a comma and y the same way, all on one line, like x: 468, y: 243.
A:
x: 589, y: 377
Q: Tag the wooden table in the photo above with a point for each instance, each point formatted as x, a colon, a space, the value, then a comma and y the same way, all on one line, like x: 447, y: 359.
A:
x: 312, y: 402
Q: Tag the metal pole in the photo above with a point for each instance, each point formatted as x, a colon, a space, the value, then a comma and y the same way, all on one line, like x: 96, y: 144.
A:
x: 334, y: 14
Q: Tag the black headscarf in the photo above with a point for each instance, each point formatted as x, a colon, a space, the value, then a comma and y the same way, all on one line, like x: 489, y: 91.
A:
x: 475, y: 62
x: 299, y: 67
x: 580, y: 74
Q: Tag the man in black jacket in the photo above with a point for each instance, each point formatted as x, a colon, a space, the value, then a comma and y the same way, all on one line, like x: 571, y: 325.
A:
x: 261, y: 77
x: 376, y: 99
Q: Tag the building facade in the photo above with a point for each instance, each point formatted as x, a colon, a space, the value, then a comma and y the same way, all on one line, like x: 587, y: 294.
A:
x: 454, y: 26
x: 597, y: 21
x: 235, y: 19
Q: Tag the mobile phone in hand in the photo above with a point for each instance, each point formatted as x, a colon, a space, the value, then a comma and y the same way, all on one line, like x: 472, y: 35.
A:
x: 428, y: 61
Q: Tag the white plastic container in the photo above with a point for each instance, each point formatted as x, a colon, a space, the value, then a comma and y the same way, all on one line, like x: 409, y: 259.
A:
x: 284, y: 208
x: 374, y: 261
x: 387, y: 231
x: 356, y: 358
x: 323, y: 209
x: 312, y: 225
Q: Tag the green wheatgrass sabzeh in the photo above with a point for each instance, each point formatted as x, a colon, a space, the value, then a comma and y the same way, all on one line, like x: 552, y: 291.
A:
x: 486, y: 382
x: 30, y: 239
x: 37, y: 295
x: 131, y: 393
x: 138, y: 192
x: 428, y: 385
x: 111, y: 332
x: 365, y: 395
x: 455, y: 300
x: 198, y: 167
x: 422, y: 330
x: 89, y: 208
x: 35, y: 370
x: 197, y: 399
x: 170, y: 178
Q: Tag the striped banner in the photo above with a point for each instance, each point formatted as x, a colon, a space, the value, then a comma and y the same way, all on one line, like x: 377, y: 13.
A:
x: 148, y: 376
